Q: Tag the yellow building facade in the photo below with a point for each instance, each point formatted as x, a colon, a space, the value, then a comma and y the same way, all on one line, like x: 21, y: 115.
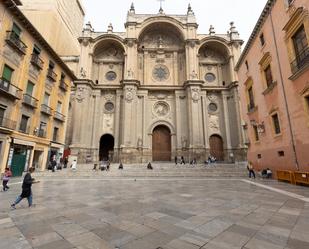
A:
x: 35, y: 89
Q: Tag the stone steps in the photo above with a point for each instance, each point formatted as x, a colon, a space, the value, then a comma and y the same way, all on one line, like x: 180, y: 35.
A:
x: 160, y: 170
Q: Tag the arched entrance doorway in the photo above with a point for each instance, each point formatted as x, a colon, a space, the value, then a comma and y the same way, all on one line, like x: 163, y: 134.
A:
x: 161, y: 144
x: 216, y: 147
x: 106, y: 147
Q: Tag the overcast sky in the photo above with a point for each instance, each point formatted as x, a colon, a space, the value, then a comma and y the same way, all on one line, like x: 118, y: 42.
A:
x: 219, y: 13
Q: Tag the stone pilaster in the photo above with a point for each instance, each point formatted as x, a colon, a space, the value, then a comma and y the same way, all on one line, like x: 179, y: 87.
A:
x: 226, y: 121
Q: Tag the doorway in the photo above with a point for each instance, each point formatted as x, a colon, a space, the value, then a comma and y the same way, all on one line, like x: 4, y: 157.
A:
x: 216, y: 147
x: 107, y: 143
x: 161, y: 144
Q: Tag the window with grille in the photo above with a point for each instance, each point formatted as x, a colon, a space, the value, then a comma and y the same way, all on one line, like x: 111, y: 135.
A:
x: 251, y: 98
x: 268, y: 76
x: 256, y: 133
x: 276, y: 123
x: 24, y: 123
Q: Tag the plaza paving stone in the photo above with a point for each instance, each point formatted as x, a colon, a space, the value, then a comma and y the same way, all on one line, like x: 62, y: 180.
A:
x: 152, y: 213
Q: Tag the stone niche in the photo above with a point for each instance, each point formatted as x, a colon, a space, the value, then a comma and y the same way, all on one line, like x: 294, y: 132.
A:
x: 108, y: 61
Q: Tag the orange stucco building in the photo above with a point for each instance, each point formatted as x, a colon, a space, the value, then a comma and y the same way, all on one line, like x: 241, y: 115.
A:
x: 273, y: 73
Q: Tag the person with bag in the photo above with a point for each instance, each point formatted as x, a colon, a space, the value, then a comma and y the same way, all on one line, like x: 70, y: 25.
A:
x: 6, y: 177
x: 26, y: 189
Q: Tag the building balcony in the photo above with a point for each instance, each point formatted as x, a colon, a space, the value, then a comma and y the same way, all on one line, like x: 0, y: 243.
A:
x: 37, y: 61
x: 59, y: 116
x: 51, y: 75
x: 15, y: 42
x: 30, y: 101
x: 301, y: 61
x: 7, y: 123
x: 10, y: 90
x: 63, y: 85
x: 45, y: 109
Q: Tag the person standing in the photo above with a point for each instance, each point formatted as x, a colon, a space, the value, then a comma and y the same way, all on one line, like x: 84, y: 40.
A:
x: 26, y: 189
x: 251, y: 170
x: 182, y: 160
x: 74, y: 165
x: 66, y: 160
x: 176, y: 160
x: 6, y: 177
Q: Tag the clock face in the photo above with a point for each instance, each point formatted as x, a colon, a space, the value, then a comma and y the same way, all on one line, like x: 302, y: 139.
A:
x: 160, y: 73
x: 110, y: 76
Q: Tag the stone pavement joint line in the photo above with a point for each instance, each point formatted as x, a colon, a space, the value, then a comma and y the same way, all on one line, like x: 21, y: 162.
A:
x: 293, y: 195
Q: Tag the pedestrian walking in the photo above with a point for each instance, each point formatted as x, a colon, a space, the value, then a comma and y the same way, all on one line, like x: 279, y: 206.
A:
x: 251, y: 170
x: 66, y: 160
x: 26, y: 189
x: 6, y: 178
x: 176, y: 160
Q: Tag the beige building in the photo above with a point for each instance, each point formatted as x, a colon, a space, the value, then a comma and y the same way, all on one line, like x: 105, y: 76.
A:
x: 155, y: 91
x: 35, y: 90
x: 59, y: 21
x: 274, y: 87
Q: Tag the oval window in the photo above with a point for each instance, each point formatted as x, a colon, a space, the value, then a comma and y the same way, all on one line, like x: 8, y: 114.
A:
x: 212, y: 107
x: 210, y: 77
x: 110, y: 76
x: 109, y: 106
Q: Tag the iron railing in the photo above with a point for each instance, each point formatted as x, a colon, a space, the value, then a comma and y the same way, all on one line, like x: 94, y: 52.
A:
x: 63, y: 85
x: 51, y: 75
x: 46, y: 109
x: 37, y: 61
x: 301, y: 60
x: 10, y: 89
x: 30, y: 101
x: 59, y: 116
x: 14, y: 41
x: 7, y: 123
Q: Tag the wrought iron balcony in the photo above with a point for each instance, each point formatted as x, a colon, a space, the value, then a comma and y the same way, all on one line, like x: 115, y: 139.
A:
x: 51, y: 75
x: 9, y: 89
x: 41, y: 133
x: 46, y: 109
x: 301, y: 60
x: 7, y: 123
x: 59, y: 116
x: 15, y: 42
x: 37, y: 61
x: 63, y: 85
x: 30, y: 101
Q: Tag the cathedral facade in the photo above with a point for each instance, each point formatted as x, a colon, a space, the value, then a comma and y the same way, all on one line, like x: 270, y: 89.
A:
x: 156, y: 91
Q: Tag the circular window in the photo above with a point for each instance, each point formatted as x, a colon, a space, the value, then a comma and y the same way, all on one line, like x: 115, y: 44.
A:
x: 109, y: 106
x: 212, y: 107
x: 160, y: 73
x: 210, y: 77
x: 110, y: 76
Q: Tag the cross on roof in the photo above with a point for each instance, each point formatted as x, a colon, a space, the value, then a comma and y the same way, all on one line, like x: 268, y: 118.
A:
x: 161, y: 1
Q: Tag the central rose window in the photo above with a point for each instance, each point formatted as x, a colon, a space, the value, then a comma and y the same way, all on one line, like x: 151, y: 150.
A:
x: 160, y: 73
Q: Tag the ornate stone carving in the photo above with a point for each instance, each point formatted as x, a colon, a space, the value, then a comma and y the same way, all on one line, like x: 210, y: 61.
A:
x: 184, y: 142
x: 139, y: 143
x: 194, y: 75
x: 212, y: 97
x: 161, y: 108
x: 195, y: 94
x: 129, y: 95
x: 130, y: 74
x: 80, y: 94
x: 214, y: 125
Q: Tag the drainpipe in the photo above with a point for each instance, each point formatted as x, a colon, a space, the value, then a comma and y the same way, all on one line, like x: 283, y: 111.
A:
x: 284, y: 95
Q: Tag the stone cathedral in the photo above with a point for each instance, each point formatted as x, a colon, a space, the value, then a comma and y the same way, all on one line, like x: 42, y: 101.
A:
x: 156, y: 91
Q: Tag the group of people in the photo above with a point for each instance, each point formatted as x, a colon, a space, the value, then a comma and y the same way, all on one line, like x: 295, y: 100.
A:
x: 54, y: 165
x: 265, y: 173
x: 182, y: 161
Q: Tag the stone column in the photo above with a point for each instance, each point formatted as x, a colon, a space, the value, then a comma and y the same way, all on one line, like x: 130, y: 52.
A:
x: 131, y: 67
x: 129, y: 119
x: 178, y: 125
x: 226, y: 120
x: 117, y: 124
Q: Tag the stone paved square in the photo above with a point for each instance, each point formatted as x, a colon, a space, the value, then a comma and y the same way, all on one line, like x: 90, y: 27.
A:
x: 151, y: 213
